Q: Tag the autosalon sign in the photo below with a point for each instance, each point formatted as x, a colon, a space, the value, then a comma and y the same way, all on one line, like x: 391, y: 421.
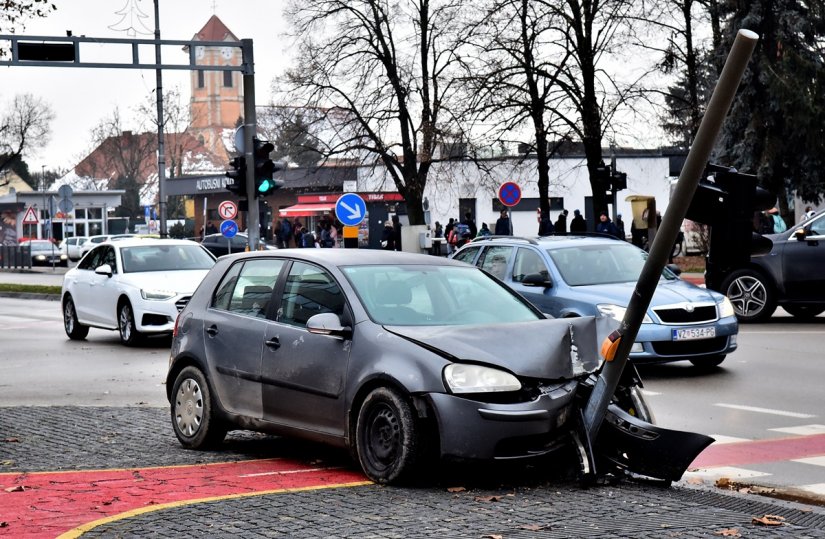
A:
x: 197, y: 185
x: 210, y: 184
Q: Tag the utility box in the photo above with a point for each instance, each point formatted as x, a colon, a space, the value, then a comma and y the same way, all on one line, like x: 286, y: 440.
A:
x: 424, y: 240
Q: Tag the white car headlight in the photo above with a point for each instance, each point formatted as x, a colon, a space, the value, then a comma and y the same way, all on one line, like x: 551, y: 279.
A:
x: 157, y: 294
x: 464, y: 378
x: 40, y: 257
x: 725, y: 308
x: 618, y: 312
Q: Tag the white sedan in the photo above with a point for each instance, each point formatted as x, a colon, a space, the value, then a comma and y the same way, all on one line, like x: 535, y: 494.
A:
x: 135, y: 286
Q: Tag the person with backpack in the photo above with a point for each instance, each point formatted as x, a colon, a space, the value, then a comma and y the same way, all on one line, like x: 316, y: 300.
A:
x: 286, y: 232
x: 462, y: 234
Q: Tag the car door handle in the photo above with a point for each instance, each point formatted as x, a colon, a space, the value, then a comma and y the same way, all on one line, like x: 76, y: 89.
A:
x: 212, y: 330
x: 274, y: 342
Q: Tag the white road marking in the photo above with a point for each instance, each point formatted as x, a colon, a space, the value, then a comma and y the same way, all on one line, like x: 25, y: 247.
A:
x: 816, y: 461
x: 802, y: 430
x: 817, y: 488
x: 725, y: 471
x: 722, y: 439
x: 763, y: 410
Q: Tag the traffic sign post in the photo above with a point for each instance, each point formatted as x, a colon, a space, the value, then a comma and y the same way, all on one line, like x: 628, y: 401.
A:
x: 509, y: 194
x: 350, y: 209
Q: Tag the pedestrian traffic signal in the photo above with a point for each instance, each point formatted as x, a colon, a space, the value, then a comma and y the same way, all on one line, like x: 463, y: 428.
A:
x: 238, y: 175
x: 265, y: 168
x: 618, y: 181
x: 726, y: 200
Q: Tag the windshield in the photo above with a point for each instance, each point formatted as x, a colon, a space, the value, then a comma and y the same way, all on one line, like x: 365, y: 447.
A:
x: 414, y: 295
x: 165, y: 258
x: 617, y: 262
x: 42, y: 246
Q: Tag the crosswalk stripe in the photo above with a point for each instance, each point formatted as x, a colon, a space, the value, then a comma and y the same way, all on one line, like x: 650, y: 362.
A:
x: 722, y: 439
x: 763, y: 410
x: 816, y: 461
x: 802, y: 430
x: 817, y: 488
x: 725, y: 471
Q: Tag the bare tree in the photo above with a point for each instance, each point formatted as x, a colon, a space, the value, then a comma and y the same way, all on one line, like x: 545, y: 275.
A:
x: 123, y: 157
x: 294, y: 133
x: 386, y: 70
x: 25, y: 125
x: 15, y: 13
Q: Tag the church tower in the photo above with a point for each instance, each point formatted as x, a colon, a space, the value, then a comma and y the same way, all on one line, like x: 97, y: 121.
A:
x: 217, y: 96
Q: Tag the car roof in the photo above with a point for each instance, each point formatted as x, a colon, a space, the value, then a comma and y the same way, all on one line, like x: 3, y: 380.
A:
x: 141, y: 242
x: 549, y: 242
x: 346, y: 257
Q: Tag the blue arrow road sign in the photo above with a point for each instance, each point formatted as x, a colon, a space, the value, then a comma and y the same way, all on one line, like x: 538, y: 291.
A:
x: 229, y: 228
x: 350, y: 209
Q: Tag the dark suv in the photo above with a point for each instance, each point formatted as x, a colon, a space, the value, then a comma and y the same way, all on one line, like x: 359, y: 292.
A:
x: 790, y: 275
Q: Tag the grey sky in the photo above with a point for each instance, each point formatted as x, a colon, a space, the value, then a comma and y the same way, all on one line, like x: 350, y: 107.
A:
x: 82, y: 97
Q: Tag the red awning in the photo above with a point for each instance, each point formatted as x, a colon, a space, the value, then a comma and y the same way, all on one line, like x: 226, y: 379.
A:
x: 306, y: 210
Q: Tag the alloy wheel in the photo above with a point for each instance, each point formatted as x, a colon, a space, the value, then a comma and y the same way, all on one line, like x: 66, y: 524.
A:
x: 748, y: 295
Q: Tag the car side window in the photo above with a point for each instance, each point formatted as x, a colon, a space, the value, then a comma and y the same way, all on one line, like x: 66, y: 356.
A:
x: 254, y: 285
x: 223, y: 294
x: 309, y: 291
x: 818, y: 227
x: 494, y: 259
x: 92, y: 259
x: 467, y: 255
x: 528, y: 261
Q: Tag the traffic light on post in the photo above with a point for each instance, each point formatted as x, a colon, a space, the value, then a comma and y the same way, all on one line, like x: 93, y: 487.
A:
x: 727, y: 203
x: 265, y: 168
x: 238, y: 175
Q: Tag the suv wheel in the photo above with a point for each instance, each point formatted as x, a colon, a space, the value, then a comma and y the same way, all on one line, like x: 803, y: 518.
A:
x: 751, y: 294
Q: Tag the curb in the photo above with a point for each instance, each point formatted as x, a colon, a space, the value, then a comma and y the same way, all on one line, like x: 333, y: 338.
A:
x: 30, y: 295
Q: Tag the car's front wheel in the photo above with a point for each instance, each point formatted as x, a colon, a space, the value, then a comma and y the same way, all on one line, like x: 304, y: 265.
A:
x: 804, y: 312
x: 129, y: 335
x: 193, y: 412
x: 74, y: 330
x: 387, y: 438
x: 751, y: 294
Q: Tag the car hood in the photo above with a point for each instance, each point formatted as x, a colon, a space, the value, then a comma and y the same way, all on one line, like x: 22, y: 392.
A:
x: 544, y: 349
x: 667, y: 293
x: 180, y: 281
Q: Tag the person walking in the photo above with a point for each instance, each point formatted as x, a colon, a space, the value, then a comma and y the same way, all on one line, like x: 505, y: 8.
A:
x: 504, y: 226
x: 471, y: 224
x: 449, y: 236
x: 620, y: 227
x: 396, y: 228
x: 578, y: 224
x: 484, y: 231
x: 286, y: 232
x: 546, y: 227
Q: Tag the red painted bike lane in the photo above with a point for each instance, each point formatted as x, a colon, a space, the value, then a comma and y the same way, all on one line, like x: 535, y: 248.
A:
x: 52, y: 504
x: 756, y: 451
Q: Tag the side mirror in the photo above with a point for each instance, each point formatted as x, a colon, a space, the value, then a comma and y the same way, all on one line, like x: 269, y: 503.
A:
x: 104, y: 269
x: 800, y: 234
x: 675, y: 269
x: 328, y: 324
x: 536, y: 279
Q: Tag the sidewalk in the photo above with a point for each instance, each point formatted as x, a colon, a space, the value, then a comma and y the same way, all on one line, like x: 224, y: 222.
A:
x: 35, y: 275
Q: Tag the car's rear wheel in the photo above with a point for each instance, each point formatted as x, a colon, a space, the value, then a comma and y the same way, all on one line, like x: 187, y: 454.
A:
x: 804, y: 312
x: 387, y: 437
x: 74, y: 330
x: 193, y: 413
x: 708, y: 361
x: 751, y: 294
x: 129, y: 335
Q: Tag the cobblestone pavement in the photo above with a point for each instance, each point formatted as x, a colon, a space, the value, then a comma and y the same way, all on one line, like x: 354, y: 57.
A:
x: 470, y: 502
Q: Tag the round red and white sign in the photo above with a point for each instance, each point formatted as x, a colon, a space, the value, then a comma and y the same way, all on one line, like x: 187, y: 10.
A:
x: 227, y: 210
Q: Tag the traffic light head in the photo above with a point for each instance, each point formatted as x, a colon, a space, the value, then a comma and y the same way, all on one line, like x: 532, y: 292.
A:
x: 265, y: 168
x: 238, y: 175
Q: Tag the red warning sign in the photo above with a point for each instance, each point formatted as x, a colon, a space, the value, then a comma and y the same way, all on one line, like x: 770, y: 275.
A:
x: 31, y: 216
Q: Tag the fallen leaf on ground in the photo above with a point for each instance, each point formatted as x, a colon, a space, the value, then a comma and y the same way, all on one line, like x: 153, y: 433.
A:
x: 7, y: 462
x: 695, y: 481
x: 17, y: 488
x: 728, y: 532
x: 534, y: 527
x: 10, y: 440
x: 723, y: 482
x: 769, y: 520
x: 488, y: 498
x: 493, y: 536
x: 4, y: 524
x: 456, y: 489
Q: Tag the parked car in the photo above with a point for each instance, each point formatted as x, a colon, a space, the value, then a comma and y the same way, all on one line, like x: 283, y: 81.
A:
x: 789, y: 275
x: 571, y: 276
x: 135, y: 286
x: 220, y: 245
x: 45, y: 253
x: 71, y: 247
x: 396, y: 356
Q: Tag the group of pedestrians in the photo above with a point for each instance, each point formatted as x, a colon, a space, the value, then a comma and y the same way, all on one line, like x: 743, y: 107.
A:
x: 294, y: 234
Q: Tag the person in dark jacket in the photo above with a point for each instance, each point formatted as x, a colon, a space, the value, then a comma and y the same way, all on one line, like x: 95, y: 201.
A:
x: 561, y: 223
x: 504, y: 227
x: 388, y: 236
x: 578, y: 224
x: 396, y: 228
x: 606, y: 226
x: 546, y: 227
x: 468, y: 220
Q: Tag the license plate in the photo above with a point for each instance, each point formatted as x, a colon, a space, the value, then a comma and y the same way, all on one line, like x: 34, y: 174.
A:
x: 691, y: 334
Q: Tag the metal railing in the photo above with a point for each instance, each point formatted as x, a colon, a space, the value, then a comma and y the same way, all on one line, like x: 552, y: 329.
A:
x: 15, y: 257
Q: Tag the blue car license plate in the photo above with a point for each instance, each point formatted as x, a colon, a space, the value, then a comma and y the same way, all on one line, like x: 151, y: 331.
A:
x: 691, y: 334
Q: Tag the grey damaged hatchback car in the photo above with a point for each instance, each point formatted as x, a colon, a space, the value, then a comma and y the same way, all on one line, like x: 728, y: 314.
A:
x: 398, y: 357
